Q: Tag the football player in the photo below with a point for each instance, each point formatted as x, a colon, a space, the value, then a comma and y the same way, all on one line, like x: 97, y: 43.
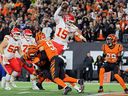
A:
x: 56, y: 66
x: 39, y: 37
x: 25, y: 41
x: 112, y: 52
x: 8, y: 48
x: 64, y: 28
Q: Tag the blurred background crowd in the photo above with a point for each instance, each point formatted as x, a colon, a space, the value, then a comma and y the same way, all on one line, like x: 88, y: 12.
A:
x: 93, y: 17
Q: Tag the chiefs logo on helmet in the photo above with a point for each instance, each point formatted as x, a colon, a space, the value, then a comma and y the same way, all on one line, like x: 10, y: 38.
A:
x: 111, y: 40
x: 15, y: 33
x: 27, y: 33
x: 69, y: 18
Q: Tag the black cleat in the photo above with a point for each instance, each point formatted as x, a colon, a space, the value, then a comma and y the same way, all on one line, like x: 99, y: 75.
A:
x: 40, y: 86
x: 81, y: 83
x: 126, y: 91
x: 100, y: 89
x: 59, y: 87
x: 67, y: 90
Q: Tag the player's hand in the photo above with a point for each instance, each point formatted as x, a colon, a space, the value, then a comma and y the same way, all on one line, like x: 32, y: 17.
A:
x: 64, y: 4
x: 4, y: 60
x: 84, y: 39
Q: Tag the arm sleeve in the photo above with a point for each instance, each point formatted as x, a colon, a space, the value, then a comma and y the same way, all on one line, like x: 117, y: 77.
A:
x: 56, y: 14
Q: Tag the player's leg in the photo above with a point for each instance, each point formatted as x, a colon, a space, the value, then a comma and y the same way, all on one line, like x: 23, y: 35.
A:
x: 33, y: 77
x: 40, y: 80
x: 8, y: 76
x: 54, y: 69
x: 119, y: 78
x: 16, y: 66
x: 103, y: 69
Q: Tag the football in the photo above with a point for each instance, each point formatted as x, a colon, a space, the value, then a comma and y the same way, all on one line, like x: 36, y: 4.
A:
x: 65, y: 5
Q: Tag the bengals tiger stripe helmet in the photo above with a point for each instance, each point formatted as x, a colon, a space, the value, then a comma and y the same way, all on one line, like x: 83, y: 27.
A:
x: 39, y: 36
x: 32, y: 50
x: 111, y: 40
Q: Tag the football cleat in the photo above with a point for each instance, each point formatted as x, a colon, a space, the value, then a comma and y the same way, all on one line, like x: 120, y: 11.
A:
x: 100, y: 89
x: 81, y: 83
x: 34, y: 87
x: 77, y: 89
x: 126, y: 91
x: 67, y: 90
x: 13, y: 84
x: 7, y: 86
x: 40, y: 86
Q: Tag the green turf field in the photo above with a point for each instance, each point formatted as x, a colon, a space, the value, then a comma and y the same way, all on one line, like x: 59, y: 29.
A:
x: 24, y: 89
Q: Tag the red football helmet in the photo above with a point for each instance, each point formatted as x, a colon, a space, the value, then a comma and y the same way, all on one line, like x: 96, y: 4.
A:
x: 111, y: 40
x: 15, y: 32
x: 27, y: 33
x: 69, y: 18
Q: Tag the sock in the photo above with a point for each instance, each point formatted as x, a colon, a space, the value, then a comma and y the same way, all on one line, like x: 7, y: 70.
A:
x: 120, y: 80
x: 101, y: 76
x: 8, y: 77
x: 70, y: 79
x: 14, y: 74
x: 33, y: 79
x: 60, y: 82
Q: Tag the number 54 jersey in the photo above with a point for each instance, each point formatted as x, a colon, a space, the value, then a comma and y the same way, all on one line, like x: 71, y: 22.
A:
x: 112, y: 53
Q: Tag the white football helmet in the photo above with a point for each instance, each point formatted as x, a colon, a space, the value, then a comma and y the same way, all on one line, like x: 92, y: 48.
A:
x: 15, y: 32
x: 27, y: 33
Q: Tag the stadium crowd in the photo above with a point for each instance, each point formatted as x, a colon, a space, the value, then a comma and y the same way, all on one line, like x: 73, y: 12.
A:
x: 47, y: 19
x: 93, y: 17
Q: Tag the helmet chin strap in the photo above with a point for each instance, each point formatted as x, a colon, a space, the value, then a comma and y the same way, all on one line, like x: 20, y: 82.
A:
x: 26, y: 37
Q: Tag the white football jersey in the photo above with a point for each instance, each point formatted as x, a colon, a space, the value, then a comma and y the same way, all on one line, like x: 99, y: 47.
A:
x: 24, y: 44
x: 11, y: 48
x: 63, y: 31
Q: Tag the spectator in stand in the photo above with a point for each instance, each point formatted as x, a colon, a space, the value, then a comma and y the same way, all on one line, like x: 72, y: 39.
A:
x: 98, y: 63
x: 103, y: 14
x: 87, y: 67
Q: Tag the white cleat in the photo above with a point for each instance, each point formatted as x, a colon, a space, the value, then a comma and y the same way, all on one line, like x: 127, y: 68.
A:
x: 13, y: 84
x: 35, y: 87
x: 7, y: 86
x: 3, y: 81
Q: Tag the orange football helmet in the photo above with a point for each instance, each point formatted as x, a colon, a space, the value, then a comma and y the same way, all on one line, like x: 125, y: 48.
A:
x: 32, y: 50
x: 39, y: 36
x: 111, y: 40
